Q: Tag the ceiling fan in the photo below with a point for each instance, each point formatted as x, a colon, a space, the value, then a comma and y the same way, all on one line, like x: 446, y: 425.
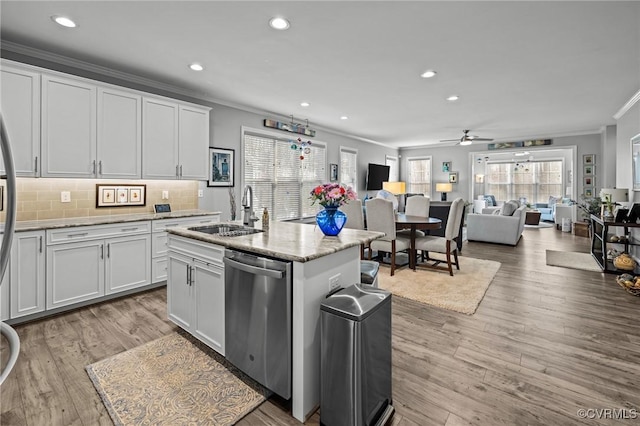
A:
x: 467, y: 139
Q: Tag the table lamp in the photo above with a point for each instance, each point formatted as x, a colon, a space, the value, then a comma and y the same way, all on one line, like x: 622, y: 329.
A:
x: 396, y: 188
x: 444, y: 188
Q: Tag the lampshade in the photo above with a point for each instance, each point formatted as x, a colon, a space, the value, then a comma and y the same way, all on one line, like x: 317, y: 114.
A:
x: 395, y: 188
x: 618, y: 195
x: 444, y: 187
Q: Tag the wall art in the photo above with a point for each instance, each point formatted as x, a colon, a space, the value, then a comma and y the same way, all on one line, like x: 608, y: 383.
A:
x: 221, y: 167
x: 110, y: 195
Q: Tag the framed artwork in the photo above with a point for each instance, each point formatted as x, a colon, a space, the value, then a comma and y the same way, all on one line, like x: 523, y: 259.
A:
x: 453, y: 177
x: 589, y: 159
x: 588, y: 181
x: 590, y: 170
x: 110, y: 195
x: 333, y: 172
x: 446, y: 166
x: 588, y: 192
x: 221, y: 167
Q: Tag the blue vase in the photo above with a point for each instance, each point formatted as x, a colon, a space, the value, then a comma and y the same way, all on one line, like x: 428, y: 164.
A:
x: 331, y: 220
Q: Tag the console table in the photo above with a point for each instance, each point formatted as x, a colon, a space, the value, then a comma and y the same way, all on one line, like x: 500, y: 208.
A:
x: 601, y: 242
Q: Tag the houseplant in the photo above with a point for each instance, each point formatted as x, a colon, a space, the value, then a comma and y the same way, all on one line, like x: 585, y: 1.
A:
x: 331, y: 196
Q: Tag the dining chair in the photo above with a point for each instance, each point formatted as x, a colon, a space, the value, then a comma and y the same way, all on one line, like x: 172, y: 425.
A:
x: 355, y: 218
x: 381, y: 218
x: 417, y: 205
x: 447, y: 244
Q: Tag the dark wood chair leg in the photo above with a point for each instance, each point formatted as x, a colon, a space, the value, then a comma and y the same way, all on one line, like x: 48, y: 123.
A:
x: 393, y: 257
x: 455, y: 256
x: 449, y: 258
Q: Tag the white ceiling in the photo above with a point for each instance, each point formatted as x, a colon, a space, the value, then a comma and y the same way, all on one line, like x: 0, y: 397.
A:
x: 523, y: 70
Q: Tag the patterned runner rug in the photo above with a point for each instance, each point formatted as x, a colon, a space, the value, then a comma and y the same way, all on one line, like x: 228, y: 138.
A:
x: 174, y: 380
x: 461, y: 293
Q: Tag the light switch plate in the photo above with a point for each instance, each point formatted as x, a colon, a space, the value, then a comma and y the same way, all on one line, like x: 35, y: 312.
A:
x: 65, y: 197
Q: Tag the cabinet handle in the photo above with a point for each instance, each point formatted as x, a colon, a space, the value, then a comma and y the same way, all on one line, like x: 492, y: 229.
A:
x: 180, y: 170
x: 100, y: 167
x: 93, y: 167
x: 101, y: 251
x: 188, y: 275
x: 193, y: 278
x: 177, y: 174
x: 169, y: 225
x: 129, y: 229
x: 36, y: 166
x: 80, y: 234
x: 109, y: 250
x: 40, y: 249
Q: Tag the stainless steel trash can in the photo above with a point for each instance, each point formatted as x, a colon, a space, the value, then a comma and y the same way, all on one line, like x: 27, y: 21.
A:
x: 355, y: 344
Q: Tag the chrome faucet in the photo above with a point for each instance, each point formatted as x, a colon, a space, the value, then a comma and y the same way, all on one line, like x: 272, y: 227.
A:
x: 247, y: 206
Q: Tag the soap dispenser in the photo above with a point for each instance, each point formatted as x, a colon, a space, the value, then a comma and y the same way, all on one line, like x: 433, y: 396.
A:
x: 265, y: 219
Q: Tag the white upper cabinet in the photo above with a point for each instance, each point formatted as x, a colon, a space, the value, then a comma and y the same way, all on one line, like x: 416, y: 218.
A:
x: 68, y: 128
x: 21, y: 112
x: 175, y: 140
x: 160, y: 139
x: 119, y: 149
x: 194, y: 143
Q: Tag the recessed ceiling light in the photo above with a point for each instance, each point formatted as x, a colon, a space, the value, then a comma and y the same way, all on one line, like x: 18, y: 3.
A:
x: 453, y: 98
x: 304, y: 104
x: 279, y: 23
x: 344, y: 117
x: 428, y: 74
x: 64, y: 21
x: 196, y: 67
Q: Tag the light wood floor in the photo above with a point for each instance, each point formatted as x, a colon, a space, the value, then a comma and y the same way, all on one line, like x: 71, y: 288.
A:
x: 544, y: 343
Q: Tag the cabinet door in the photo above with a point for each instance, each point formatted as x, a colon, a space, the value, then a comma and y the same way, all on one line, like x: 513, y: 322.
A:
x: 21, y: 112
x: 208, y: 326
x: 75, y: 273
x: 159, y: 139
x: 119, y: 150
x: 128, y: 263
x: 194, y: 143
x: 179, y: 293
x: 27, y: 274
x: 68, y: 128
x: 4, y: 295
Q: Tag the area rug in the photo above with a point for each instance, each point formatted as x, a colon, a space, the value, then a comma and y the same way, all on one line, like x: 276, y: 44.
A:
x: 174, y: 380
x: 541, y: 225
x: 573, y: 260
x: 461, y: 293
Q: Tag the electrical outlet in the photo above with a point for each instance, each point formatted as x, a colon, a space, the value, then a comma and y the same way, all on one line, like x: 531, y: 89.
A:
x: 165, y: 195
x: 65, y: 197
x: 200, y: 193
x: 334, y: 282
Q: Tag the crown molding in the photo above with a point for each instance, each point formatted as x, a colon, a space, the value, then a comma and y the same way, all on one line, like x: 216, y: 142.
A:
x: 626, y: 107
x: 55, y: 58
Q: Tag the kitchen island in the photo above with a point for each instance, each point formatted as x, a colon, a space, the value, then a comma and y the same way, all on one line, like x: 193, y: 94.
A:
x: 318, y: 263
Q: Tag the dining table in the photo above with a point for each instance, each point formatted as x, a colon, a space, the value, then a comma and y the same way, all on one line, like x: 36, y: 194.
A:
x: 404, y: 221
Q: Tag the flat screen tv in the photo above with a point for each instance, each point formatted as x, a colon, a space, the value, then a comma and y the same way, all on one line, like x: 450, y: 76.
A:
x: 376, y: 174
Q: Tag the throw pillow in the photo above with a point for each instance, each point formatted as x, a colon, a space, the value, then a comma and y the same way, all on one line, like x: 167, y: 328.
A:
x: 490, y: 199
x: 509, y: 207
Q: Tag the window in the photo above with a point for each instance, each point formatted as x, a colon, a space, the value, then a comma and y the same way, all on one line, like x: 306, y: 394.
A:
x: 280, y: 180
x: 348, y: 167
x: 419, y: 175
x: 535, y: 181
x: 392, y: 162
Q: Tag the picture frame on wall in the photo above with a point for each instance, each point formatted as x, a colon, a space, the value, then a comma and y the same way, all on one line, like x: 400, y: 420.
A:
x: 333, y: 172
x: 221, y: 167
x: 588, y: 192
x: 589, y: 181
x: 589, y: 159
x: 446, y: 166
x: 589, y: 170
x: 453, y: 177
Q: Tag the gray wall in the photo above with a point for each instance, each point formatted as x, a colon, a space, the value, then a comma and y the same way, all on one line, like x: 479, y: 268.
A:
x: 627, y: 127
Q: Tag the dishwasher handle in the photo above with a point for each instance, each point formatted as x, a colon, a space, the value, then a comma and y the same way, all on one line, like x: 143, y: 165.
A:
x: 253, y: 269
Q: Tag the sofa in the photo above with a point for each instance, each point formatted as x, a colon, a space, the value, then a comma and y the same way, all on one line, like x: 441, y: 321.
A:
x: 499, y: 227
x: 548, y: 210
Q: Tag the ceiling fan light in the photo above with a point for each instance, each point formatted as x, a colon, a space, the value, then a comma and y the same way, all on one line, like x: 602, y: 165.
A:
x: 466, y: 142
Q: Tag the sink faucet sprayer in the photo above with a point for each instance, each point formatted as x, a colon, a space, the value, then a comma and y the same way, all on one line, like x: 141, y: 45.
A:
x: 247, y: 204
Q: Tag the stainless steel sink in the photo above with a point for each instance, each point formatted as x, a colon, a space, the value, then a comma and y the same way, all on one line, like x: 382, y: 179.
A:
x: 225, y: 230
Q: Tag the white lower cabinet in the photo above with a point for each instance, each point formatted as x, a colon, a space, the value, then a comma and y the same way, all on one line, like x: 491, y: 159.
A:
x: 95, y: 267
x: 27, y: 278
x: 4, y: 296
x: 195, y: 290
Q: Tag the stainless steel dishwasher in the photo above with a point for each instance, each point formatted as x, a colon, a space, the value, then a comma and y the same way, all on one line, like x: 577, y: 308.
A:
x: 258, y: 319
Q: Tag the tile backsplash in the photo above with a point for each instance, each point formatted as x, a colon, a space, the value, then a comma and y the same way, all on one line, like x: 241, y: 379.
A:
x: 39, y: 199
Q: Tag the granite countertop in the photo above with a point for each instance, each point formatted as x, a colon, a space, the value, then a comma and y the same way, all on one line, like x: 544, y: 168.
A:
x: 288, y: 241
x: 37, y: 225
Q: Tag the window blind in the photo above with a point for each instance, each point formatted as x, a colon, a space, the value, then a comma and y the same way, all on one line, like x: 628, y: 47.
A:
x: 281, y: 181
x: 392, y: 162
x: 349, y: 167
x: 419, y: 175
x: 535, y: 181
